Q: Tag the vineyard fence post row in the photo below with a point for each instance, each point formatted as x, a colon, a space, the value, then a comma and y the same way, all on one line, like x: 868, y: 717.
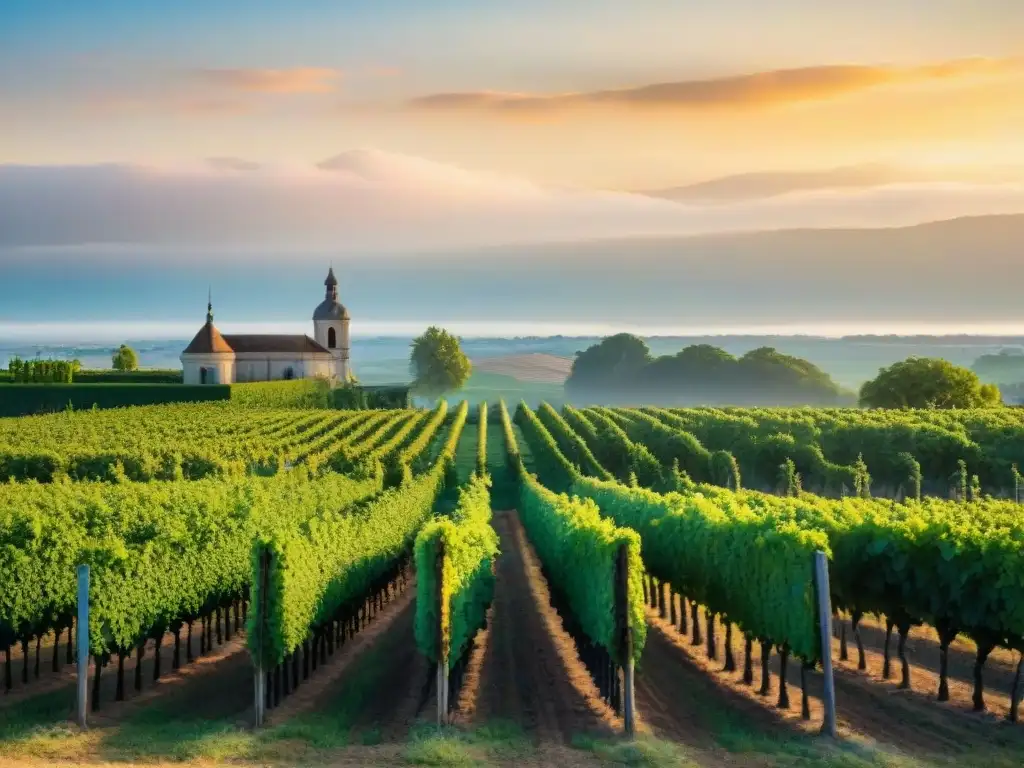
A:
x: 624, y: 635
x: 442, y: 650
x: 83, y: 645
x: 825, y: 626
x: 259, y: 678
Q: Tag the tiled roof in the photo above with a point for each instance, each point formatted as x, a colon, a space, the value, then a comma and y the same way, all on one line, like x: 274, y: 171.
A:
x: 273, y: 343
x: 207, y: 341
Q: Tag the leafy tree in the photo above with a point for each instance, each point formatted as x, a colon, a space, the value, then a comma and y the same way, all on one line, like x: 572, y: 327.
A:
x: 613, y: 364
x: 921, y: 382
x: 437, y: 363
x: 125, y: 359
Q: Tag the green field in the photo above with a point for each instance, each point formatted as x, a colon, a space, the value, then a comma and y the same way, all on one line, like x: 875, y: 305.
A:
x: 307, y: 519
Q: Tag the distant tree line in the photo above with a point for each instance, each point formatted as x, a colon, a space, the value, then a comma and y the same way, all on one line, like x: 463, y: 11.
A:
x: 42, y: 371
x: 123, y: 361
x: 621, y: 369
x: 1006, y: 367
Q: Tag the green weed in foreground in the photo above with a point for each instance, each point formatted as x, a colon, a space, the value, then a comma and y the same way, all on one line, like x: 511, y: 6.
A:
x: 644, y: 751
x: 498, y: 741
x: 443, y: 748
x: 39, y: 726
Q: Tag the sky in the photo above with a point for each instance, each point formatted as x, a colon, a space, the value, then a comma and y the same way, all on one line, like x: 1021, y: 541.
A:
x: 150, y: 151
x: 619, y: 94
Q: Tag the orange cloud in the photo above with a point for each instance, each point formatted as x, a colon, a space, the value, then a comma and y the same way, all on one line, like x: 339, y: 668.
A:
x: 296, y: 80
x: 758, y: 89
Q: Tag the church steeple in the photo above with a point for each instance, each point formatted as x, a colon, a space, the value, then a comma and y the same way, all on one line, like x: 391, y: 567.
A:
x: 330, y: 327
x: 332, y: 285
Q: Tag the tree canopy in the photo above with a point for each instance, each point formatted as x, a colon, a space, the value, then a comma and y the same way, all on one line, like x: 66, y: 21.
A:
x: 621, y: 369
x: 437, y: 363
x: 924, y: 382
x: 124, y: 359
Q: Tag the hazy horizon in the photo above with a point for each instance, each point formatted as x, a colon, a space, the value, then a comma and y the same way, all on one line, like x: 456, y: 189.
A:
x: 80, y: 333
x: 817, y: 168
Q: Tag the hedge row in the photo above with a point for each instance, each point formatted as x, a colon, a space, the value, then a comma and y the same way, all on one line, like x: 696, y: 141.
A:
x: 151, y: 376
x: 470, y: 546
x: 28, y: 399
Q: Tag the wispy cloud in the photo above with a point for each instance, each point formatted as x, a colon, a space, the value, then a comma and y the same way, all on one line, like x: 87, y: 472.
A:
x: 296, y: 80
x: 369, y: 199
x: 173, y: 104
x: 752, y: 90
x: 232, y: 164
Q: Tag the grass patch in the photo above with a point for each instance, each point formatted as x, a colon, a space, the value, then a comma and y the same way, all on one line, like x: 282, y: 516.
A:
x: 41, y: 726
x: 642, y: 751
x: 465, y: 451
x: 524, y: 448
x: 179, y: 740
x: 502, y: 740
x: 496, y: 386
x: 448, y: 748
x: 497, y: 741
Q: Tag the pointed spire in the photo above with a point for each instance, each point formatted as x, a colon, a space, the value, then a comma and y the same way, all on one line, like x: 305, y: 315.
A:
x: 209, y: 306
x: 332, y: 284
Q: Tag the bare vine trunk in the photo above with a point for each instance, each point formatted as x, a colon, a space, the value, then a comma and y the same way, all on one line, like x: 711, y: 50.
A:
x: 862, y: 662
x: 984, y: 649
x: 119, y: 694
x: 805, y: 702
x: 844, y: 651
x: 901, y: 650
x: 1015, y: 691
x: 783, y: 702
x: 886, y: 663
x: 712, y: 642
x: 766, y: 675
x: 730, y: 660
x: 947, y: 633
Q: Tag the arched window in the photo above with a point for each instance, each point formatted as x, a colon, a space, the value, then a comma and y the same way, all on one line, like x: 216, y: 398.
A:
x: 332, y: 339
x: 289, y: 373
x: 203, y: 373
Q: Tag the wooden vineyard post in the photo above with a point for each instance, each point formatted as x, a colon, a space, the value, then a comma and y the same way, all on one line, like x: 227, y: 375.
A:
x: 825, y: 626
x: 83, y: 644
x: 624, y: 634
x: 259, y: 677
x: 442, y: 649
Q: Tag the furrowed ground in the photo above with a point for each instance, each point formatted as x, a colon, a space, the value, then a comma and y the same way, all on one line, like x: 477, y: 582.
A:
x: 350, y: 662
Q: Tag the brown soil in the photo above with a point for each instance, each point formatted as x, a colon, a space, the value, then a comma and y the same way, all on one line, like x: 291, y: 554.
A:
x: 524, y: 667
x: 216, y: 685
x: 229, y: 654
x: 219, y: 684
x: 401, y: 675
x: 868, y: 709
x: 676, y: 695
x: 923, y: 656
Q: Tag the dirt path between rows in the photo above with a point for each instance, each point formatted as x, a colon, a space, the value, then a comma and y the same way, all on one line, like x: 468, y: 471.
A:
x: 524, y: 667
x: 868, y: 708
x: 379, y: 675
x: 923, y: 656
